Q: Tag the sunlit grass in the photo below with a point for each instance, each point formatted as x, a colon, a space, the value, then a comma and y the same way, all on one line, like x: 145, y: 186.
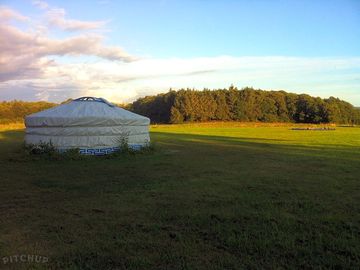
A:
x: 277, y: 133
x: 211, y: 196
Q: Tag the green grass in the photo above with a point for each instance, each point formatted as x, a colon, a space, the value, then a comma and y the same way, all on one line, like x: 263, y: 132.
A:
x: 211, y: 196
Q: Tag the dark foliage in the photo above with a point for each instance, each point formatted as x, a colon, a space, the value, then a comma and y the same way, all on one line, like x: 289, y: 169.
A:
x: 247, y: 104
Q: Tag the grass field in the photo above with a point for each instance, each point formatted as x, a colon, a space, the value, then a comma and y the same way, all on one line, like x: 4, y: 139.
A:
x: 211, y: 196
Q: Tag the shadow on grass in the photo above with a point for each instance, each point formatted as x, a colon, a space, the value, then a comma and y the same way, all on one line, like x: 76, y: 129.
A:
x: 11, y: 135
x: 280, y: 146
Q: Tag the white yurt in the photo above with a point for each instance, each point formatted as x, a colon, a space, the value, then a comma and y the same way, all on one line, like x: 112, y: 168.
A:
x: 93, y: 125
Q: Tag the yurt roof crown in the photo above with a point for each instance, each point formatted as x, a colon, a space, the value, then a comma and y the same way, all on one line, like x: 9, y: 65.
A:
x: 95, y: 99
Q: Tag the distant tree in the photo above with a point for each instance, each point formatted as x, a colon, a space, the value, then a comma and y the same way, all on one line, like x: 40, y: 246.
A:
x: 176, y: 117
x: 67, y: 101
x: 222, y: 111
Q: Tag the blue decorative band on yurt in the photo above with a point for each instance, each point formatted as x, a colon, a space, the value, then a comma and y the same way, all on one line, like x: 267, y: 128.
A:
x: 98, y: 151
x: 106, y: 151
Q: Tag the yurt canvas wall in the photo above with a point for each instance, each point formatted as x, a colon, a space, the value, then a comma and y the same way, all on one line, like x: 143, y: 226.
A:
x: 93, y: 125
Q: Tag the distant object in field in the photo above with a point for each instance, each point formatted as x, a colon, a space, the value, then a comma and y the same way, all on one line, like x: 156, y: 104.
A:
x: 93, y: 125
x: 312, y: 128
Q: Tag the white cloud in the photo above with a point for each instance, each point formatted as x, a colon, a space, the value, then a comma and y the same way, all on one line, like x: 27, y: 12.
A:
x: 119, y: 81
x: 27, y: 54
x: 7, y: 14
x: 56, y: 18
x: 40, y: 4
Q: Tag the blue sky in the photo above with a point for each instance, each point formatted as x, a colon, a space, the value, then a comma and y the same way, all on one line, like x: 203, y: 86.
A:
x: 243, y: 28
x: 146, y: 47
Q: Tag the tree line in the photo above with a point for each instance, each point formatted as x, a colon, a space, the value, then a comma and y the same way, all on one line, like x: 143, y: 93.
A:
x: 247, y: 104
x: 15, y: 111
x: 231, y: 104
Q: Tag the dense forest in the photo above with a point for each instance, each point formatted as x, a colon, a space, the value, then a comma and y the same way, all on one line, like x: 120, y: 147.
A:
x: 247, y: 104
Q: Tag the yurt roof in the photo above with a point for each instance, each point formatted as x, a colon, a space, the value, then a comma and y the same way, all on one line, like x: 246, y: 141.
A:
x: 85, y: 111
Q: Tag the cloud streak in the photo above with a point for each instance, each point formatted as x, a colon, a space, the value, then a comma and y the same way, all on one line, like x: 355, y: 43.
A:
x: 56, y: 18
x: 40, y: 4
x: 7, y: 14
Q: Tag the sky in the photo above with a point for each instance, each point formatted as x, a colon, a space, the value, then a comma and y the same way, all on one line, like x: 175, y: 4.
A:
x: 123, y: 50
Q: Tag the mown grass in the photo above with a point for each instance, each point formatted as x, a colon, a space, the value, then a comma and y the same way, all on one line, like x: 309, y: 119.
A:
x: 211, y: 196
